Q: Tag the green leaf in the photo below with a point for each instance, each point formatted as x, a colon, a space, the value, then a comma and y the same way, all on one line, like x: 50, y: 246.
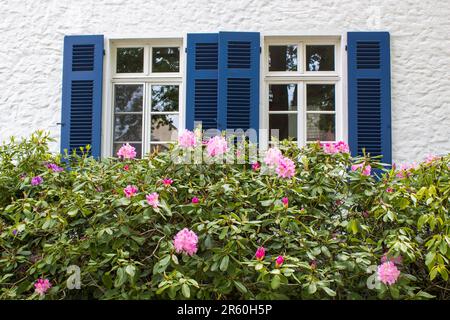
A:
x: 164, y: 261
x: 312, y: 288
x: 240, y: 287
x: 120, y: 278
x: 329, y: 292
x: 185, y: 290
x: 175, y: 259
x: 107, y: 281
x: 275, y: 283
x: 224, y: 263
x: 259, y: 266
x: 131, y: 270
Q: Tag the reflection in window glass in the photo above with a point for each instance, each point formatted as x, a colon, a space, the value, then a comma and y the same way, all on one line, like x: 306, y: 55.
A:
x: 320, y: 127
x: 320, y: 58
x: 283, y: 58
x: 137, y: 146
x: 158, y: 147
x: 128, y: 127
x: 285, y: 123
x: 166, y: 59
x: 128, y: 98
x: 130, y: 60
x: 165, y: 98
x: 164, y: 127
x: 282, y: 97
x: 320, y: 97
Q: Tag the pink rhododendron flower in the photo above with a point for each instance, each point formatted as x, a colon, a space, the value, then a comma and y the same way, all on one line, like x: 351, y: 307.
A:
x: 126, y: 167
x: 388, y: 273
x: 186, y: 139
x: 405, y: 170
x: 256, y: 166
x: 195, y: 200
x: 130, y: 191
x: 216, y: 146
x: 279, y: 261
x: 335, y: 147
x: 285, y: 168
x: 389, y: 190
x: 366, y: 169
x: 185, y: 241
x: 430, y: 158
x: 152, y: 199
x: 285, y: 201
x: 35, y: 181
x: 313, y: 264
x: 260, y: 253
x: 126, y: 151
x: 395, y: 260
x: 167, y: 182
x: 273, y: 156
x: 54, y: 167
x: 41, y: 286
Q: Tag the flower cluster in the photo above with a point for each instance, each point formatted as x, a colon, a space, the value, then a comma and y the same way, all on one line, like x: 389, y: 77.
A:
x: 41, y: 286
x: 284, y: 167
x: 54, y: 167
x: 130, y: 191
x: 35, y: 181
x: 153, y: 199
x: 335, y: 147
x: 405, y: 170
x: 365, y: 168
x: 388, y: 273
x: 216, y: 146
x: 260, y: 253
x: 167, y: 182
x: 185, y: 241
x: 127, y: 152
x: 186, y: 139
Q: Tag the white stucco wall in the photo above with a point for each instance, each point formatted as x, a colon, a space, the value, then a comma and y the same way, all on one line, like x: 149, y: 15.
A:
x: 32, y: 31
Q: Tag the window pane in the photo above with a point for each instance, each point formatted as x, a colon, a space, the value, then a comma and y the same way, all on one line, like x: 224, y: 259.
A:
x: 166, y: 59
x: 320, y: 97
x: 128, y: 127
x: 130, y: 60
x: 165, y: 98
x: 285, y: 123
x: 320, y: 58
x: 282, y: 97
x: 138, y: 147
x: 320, y: 127
x: 128, y: 98
x: 283, y: 58
x: 158, y: 147
x: 164, y: 127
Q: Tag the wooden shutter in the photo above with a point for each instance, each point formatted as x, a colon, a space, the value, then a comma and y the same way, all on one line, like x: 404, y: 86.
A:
x: 202, y: 80
x: 369, y: 94
x: 82, y: 93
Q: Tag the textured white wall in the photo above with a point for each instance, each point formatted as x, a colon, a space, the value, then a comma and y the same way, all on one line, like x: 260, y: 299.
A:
x: 31, y: 42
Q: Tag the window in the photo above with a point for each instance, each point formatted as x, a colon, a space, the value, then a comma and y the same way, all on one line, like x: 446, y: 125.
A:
x: 302, y: 89
x: 146, y: 86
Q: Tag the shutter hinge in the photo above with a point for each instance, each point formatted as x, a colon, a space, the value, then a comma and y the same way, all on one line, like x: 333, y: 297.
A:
x: 260, y: 50
x: 104, y: 52
x: 185, y: 50
x: 345, y: 47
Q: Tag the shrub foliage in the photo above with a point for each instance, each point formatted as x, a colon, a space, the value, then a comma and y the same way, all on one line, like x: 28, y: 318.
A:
x: 333, y: 233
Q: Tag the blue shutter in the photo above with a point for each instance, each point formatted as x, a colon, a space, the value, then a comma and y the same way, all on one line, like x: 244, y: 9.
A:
x: 202, y: 80
x: 369, y: 94
x: 239, y: 80
x: 82, y: 93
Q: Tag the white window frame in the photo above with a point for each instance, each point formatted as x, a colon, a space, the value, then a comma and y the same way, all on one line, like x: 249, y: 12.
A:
x: 147, y: 78
x: 301, y: 77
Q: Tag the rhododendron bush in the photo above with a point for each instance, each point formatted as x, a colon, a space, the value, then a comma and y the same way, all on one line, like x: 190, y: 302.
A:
x: 309, y: 223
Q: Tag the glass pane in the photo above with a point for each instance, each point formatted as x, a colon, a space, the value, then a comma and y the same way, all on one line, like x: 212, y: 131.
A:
x: 320, y: 127
x: 320, y: 97
x: 164, y: 127
x: 158, y: 147
x: 166, y: 59
x: 320, y: 58
x: 283, y: 58
x: 282, y: 97
x: 128, y: 127
x: 130, y: 60
x: 138, y: 147
x: 165, y: 98
x: 285, y: 123
x: 128, y: 97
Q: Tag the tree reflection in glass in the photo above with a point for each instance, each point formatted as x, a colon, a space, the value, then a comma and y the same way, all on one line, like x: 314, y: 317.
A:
x: 166, y: 59
x: 283, y: 58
